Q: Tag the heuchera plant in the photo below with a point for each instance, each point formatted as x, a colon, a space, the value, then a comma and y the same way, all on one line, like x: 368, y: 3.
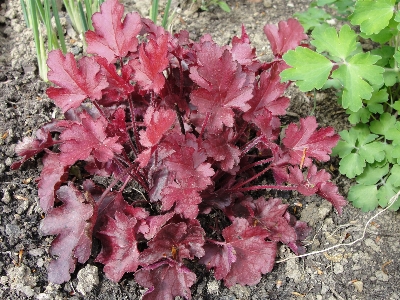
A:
x: 192, y: 127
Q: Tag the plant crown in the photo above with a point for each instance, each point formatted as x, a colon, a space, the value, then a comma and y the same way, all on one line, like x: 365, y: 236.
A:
x: 179, y: 131
x: 368, y: 85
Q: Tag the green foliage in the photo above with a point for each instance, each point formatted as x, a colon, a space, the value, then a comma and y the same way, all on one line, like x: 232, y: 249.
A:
x: 368, y: 84
x: 39, y: 13
x: 222, y: 4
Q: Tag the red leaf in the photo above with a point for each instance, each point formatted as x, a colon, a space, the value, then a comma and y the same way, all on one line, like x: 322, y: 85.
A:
x: 152, y: 225
x: 219, y: 147
x: 73, y: 224
x: 270, y: 216
x: 304, y: 142
x: 287, y: 37
x: 76, y: 81
x: 175, y: 241
x: 242, y: 51
x: 152, y: 62
x: 157, y: 122
x: 223, y: 85
x: 51, y: 177
x: 254, y: 256
x: 119, y: 251
x: 31, y: 146
x: 317, y: 183
x: 89, y: 138
x: 112, y: 38
x: 166, y: 280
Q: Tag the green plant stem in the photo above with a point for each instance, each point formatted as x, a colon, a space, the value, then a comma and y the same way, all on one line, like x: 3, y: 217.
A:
x: 60, y: 30
x: 166, y: 14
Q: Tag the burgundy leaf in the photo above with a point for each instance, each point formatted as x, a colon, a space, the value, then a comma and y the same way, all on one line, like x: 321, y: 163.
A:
x: 151, y: 63
x: 304, y: 142
x: 242, y: 51
x: 76, y: 81
x: 51, y: 177
x: 330, y: 192
x: 176, y: 241
x: 73, y: 223
x: 152, y: 225
x: 112, y: 38
x: 119, y: 252
x: 31, y: 146
x: 287, y: 36
x: 166, y: 280
x: 81, y: 140
x: 223, y: 85
x: 253, y: 255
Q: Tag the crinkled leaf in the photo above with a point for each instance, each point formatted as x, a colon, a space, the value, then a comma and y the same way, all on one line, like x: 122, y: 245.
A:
x: 372, y: 15
x: 245, y: 254
x: 119, y: 252
x: 76, y: 81
x: 51, y: 177
x: 177, y: 241
x: 73, y: 223
x: 286, y: 36
x: 151, y: 63
x: 88, y: 138
x: 305, y: 142
x: 113, y: 38
x: 223, y: 85
x: 166, y: 280
x: 309, y: 69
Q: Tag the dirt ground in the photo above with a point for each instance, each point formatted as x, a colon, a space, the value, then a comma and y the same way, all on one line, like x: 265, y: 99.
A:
x: 370, y: 269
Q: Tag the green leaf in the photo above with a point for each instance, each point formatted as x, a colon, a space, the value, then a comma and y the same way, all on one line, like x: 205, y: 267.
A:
x: 354, y: 75
x: 372, y: 15
x: 309, y: 69
x: 364, y: 197
x: 341, y: 45
x: 225, y: 7
x: 347, y: 144
x: 394, y: 177
x: 372, y: 175
x: 352, y: 165
x: 312, y: 18
x: 374, y: 104
x: 387, y: 126
x: 362, y: 115
x: 387, y: 191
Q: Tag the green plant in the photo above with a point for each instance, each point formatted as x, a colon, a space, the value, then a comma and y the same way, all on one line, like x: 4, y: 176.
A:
x: 222, y: 4
x: 154, y: 11
x: 38, y: 13
x: 369, y: 89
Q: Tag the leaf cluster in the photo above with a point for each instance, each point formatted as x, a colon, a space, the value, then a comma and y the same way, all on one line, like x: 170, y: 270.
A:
x: 368, y: 86
x: 182, y: 131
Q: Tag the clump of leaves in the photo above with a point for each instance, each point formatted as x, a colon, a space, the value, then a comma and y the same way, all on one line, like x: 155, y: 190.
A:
x: 368, y: 85
x: 191, y: 126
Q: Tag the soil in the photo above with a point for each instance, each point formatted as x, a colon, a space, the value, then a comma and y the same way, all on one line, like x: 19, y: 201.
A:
x: 369, y: 269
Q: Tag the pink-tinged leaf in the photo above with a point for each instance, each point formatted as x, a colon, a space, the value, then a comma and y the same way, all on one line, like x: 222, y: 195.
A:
x: 219, y: 147
x: 268, y: 94
x: 76, y: 81
x: 219, y: 256
x: 73, y: 223
x: 176, y: 241
x: 119, y: 252
x: 316, y: 182
x: 166, y: 280
x: 287, y: 36
x: 254, y: 256
x: 186, y: 200
x: 157, y: 122
x: 51, y: 177
x: 304, y: 142
x: 242, y: 51
x: 223, y: 85
x: 119, y: 86
x: 151, y: 63
x: 152, y: 225
x: 330, y: 192
x: 270, y: 216
x: 113, y: 38
x: 31, y: 146
x: 302, y: 231
x: 117, y: 126
x: 81, y: 140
